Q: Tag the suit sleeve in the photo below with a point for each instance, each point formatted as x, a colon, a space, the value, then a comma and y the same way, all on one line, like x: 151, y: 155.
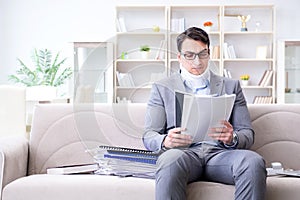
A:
x: 155, y: 121
x: 240, y: 119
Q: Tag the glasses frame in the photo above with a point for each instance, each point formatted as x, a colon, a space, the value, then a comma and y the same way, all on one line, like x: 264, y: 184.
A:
x: 204, y: 54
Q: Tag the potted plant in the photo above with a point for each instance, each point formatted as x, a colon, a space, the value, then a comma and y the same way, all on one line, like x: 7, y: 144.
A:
x: 45, y: 72
x: 245, y: 79
x: 145, y: 50
x: 207, y: 26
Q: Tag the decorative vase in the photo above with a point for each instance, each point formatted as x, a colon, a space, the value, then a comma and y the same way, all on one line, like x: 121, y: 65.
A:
x: 207, y: 29
x: 41, y: 93
x: 145, y: 54
x: 245, y: 82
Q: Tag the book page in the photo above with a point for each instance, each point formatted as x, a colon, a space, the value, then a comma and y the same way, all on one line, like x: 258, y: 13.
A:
x: 203, y: 112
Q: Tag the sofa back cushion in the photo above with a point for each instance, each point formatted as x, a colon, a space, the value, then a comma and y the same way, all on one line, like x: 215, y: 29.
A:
x: 67, y: 134
x: 64, y: 134
x: 277, y: 134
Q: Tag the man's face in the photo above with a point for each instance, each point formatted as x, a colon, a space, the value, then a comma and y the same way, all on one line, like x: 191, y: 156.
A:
x: 195, y: 64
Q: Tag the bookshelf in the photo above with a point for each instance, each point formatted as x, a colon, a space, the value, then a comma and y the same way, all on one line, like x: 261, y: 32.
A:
x: 254, y: 49
x: 249, y: 52
x: 144, y: 25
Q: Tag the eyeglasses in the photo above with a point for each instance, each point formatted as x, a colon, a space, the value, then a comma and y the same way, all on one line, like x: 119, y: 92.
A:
x: 191, y: 55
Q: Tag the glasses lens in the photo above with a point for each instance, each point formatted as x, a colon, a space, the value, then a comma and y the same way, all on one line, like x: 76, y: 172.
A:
x: 189, y: 56
x: 203, y: 55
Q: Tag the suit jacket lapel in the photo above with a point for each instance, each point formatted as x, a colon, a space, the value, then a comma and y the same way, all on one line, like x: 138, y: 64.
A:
x: 178, y: 82
x: 216, y: 84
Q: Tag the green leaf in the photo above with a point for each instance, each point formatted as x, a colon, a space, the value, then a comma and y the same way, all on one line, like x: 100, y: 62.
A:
x: 44, y: 71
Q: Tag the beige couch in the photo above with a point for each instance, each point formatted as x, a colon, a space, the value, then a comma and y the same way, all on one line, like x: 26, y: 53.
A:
x: 67, y: 134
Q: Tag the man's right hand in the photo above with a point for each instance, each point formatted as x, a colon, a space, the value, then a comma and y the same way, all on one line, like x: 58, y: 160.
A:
x: 175, y: 139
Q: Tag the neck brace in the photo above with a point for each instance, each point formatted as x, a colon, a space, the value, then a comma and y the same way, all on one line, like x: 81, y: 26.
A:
x: 195, y: 81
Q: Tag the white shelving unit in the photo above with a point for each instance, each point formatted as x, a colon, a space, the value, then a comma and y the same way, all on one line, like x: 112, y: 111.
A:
x: 139, y: 22
x: 261, y: 33
x: 172, y: 20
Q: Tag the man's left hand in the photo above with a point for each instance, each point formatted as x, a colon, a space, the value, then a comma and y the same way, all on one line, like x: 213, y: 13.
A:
x: 222, y: 133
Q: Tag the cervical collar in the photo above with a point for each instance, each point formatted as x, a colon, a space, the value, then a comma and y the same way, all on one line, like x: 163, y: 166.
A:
x: 195, y: 81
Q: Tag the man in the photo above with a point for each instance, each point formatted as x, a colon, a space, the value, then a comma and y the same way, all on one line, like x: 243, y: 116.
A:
x: 225, y: 158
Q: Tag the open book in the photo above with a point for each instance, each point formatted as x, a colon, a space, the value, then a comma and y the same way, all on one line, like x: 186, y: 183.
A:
x: 196, y: 114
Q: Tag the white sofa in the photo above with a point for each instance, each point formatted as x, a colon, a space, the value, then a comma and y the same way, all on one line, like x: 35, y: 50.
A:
x: 65, y: 134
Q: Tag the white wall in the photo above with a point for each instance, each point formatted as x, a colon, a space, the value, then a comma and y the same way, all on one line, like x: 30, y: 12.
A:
x: 55, y: 24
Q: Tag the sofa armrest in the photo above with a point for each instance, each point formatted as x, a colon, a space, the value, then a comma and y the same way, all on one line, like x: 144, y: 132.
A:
x: 13, y: 159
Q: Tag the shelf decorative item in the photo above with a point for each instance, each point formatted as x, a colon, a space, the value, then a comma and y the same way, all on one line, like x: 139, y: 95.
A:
x: 155, y: 28
x: 145, y: 51
x: 207, y: 26
x: 244, y: 19
x: 245, y: 79
x: 124, y: 55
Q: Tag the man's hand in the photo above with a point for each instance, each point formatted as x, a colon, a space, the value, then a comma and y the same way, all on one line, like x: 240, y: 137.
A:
x: 175, y: 139
x: 223, y: 133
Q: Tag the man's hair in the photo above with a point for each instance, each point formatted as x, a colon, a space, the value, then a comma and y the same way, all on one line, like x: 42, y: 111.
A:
x: 193, y: 33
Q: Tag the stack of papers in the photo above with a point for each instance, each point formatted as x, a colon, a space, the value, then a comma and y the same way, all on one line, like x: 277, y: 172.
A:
x: 126, y: 162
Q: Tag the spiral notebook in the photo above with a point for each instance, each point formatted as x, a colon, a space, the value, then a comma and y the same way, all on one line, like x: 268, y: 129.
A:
x: 123, y: 161
x: 130, y: 154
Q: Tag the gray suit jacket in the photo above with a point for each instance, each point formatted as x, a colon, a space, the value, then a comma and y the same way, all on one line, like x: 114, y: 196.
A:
x: 160, y: 115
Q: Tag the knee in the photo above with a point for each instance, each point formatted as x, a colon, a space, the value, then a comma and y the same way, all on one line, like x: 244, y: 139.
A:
x: 252, y: 163
x: 173, y: 160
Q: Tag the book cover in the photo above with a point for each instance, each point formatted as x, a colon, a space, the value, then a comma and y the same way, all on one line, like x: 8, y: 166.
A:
x: 199, y: 113
x: 131, y: 158
x: 73, y: 169
x: 225, y: 51
x: 263, y: 78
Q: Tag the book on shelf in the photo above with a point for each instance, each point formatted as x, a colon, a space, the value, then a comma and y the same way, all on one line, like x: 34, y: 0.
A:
x: 160, y: 54
x: 266, y: 79
x: 231, y: 52
x: 262, y: 100
x: 215, y: 52
x: 125, y: 79
x: 226, y: 73
x: 261, y: 52
x: 73, y: 169
x: 197, y: 113
x: 228, y: 51
x: 118, y: 25
x: 178, y: 25
x: 225, y: 51
x: 121, y: 24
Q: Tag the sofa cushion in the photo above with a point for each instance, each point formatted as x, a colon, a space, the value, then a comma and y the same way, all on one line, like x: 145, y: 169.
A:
x: 62, y: 134
x: 277, y: 135
x: 279, y: 188
x: 79, y: 187
x: 95, y: 187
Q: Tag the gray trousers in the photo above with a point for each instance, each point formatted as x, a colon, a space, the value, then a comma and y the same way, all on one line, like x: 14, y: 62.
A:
x: 243, y: 168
